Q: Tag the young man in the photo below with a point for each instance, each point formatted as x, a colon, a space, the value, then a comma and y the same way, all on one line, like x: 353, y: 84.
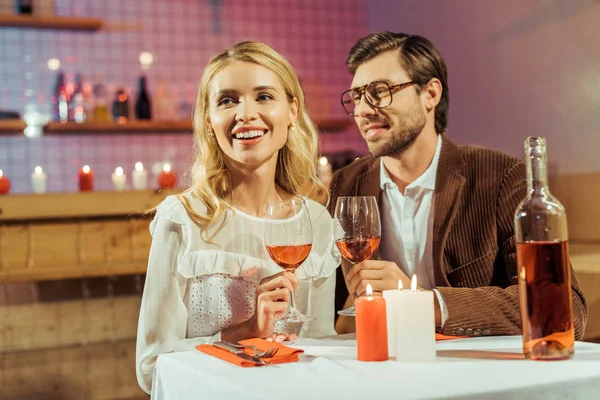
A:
x: 446, y: 210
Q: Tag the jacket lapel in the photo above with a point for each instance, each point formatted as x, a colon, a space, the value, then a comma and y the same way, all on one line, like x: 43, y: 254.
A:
x: 449, y: 186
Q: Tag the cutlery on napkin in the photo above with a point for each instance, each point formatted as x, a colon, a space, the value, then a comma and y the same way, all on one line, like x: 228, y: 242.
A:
x: 245, y: 358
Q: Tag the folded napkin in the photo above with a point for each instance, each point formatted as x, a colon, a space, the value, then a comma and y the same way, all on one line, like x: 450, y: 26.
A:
x: 284, y: 354
x: 440, y: 337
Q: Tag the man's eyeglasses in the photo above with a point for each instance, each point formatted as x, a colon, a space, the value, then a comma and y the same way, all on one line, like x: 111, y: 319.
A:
x: 378, y: 94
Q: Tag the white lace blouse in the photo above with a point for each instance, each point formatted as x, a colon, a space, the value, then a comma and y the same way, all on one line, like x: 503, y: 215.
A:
x: 194, y: 289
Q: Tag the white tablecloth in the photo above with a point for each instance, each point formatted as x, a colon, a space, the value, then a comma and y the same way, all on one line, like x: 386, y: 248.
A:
x: 475, y: 368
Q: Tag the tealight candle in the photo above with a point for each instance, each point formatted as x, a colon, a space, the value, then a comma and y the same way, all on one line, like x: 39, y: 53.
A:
x: 38, y: 180
x: 86, y: 179
x: 391, y: 300
x: 139, y: 177
x: 414, y: 324
x: 167, y: 179
x: 4, y: 183
x: 118, y: 179
x: 371, y: 327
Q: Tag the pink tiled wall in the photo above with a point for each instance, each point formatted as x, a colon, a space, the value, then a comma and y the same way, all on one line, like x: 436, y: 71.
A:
x: 314, y: 35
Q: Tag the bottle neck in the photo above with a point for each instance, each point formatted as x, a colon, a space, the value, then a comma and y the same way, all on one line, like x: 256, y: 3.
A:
x: 537, y: 170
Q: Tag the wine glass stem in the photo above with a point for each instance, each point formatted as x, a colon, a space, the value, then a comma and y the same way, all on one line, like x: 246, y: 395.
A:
x: 292, y: 294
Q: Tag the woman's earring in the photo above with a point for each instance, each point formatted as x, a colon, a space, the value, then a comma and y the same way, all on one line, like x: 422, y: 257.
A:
x: 209, y: 132
x: 293, y: 127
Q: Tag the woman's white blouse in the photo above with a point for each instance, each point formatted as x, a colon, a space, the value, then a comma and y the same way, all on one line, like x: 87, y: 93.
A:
x: 195, y: 288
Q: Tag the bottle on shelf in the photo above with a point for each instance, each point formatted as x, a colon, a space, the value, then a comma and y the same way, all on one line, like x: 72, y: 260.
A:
x: 60, y: 100
x: 24, y: 7
x: 100, y: 111
x: 543, y: 264
x: 78, y: 107
x: 143, y: 106
x: 120, y: 109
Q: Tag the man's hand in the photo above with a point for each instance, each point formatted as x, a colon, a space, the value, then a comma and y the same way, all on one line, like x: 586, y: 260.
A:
x: 382, y: 275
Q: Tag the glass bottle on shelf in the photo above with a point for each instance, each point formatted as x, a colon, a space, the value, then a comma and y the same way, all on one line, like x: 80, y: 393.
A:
x: 120, y: 109
x: 77, y: 103
x: 60, y: 100
x: 100, y: 104
x: 143, y: 107
x: 543, y: 264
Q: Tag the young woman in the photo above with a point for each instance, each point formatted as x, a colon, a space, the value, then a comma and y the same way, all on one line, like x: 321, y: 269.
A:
x: 209, y: 275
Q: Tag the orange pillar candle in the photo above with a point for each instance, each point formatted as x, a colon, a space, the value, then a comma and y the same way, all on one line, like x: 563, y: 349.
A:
x: 4, y: 183
x: 371, y: 327
x: 167, y: 179
x: 86, y: 179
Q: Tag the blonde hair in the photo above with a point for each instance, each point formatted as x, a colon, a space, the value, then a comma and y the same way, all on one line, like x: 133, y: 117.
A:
x: 296, y: 161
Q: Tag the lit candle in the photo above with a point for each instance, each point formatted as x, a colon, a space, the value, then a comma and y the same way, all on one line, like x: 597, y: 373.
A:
x: 324, y: 172
x: 167, y: 179
x: 392, y: 298
x: 4, y: 183
x: 86, y: 179
x: 371, y: 327
x: 414, y: 324
x: 118, y: 179
x: 139, y: 177
x: 38, y: 180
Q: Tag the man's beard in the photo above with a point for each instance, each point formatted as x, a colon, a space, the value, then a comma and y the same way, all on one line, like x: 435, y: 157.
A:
x: 402, y: 138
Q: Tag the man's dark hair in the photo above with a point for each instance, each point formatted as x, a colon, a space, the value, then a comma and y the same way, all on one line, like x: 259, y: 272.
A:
x: 417, y: 55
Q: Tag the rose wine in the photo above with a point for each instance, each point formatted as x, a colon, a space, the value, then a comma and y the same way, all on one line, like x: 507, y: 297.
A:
x: 289, y: 257
x: 356, y: 250
x: 545, y: 295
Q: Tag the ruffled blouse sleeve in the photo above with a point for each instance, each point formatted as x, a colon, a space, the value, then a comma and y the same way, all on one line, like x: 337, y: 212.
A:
x: 163, y: 315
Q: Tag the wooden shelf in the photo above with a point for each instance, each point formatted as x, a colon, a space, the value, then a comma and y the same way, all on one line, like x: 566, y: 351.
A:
x: 111, y: 127
x: 71, y: 128
x: 78, y: 205
x: 56, y: 22
x: 12, y: 126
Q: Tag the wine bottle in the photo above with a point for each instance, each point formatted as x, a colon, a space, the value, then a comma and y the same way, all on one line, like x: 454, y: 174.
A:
x: 24, y: 7
x: 120, y: 108
x: 143, y: 107
x: 60, y: 100
x: 543, y: 264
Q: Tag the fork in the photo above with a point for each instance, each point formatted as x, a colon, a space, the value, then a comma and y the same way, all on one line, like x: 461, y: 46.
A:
x: 268, y: 353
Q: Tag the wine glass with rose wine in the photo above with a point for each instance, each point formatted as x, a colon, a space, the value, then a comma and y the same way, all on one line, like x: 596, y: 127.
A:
x: 357, y: 231
x: 288, y: 238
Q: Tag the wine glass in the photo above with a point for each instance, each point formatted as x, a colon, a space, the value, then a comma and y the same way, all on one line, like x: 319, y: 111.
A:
x: 288, y: 238
x: 357, y: 231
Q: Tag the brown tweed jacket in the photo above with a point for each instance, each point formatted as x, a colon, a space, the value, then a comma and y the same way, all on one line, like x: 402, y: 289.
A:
x: 476, y: 194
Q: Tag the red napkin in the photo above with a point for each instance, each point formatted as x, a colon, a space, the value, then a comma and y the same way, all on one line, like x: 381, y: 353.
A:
x: 440, y: 337
x: 284, y: 354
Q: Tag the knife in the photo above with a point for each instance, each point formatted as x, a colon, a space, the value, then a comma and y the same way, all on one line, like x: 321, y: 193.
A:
x: 240, y: 353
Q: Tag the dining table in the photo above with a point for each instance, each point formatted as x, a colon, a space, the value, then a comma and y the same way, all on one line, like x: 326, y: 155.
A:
x: 490, y: 367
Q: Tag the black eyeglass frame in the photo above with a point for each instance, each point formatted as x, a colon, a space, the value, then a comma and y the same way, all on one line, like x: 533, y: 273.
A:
x: 361, y: 92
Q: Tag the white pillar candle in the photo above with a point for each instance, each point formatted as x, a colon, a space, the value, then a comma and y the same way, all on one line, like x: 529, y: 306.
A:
x: 38, y: 180
x: 324, y: 171
x: 118, y: 179
x: 414, y: 323
x: 392, y: 299
x: 139, y: 177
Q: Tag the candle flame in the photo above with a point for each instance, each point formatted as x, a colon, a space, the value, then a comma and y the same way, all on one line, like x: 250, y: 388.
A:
x: 323, y: 161
x: 400, y: 285
x: 38, y: 170
x: 167, y: 167
x: 86, y: 169
x: 369, y: 290
x: 118, y: 171
x: 139, y: 166
x: 1, y: 173
x: 413, y: 283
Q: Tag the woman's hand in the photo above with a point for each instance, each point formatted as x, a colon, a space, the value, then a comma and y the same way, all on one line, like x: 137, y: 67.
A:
x: 272, y: 303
